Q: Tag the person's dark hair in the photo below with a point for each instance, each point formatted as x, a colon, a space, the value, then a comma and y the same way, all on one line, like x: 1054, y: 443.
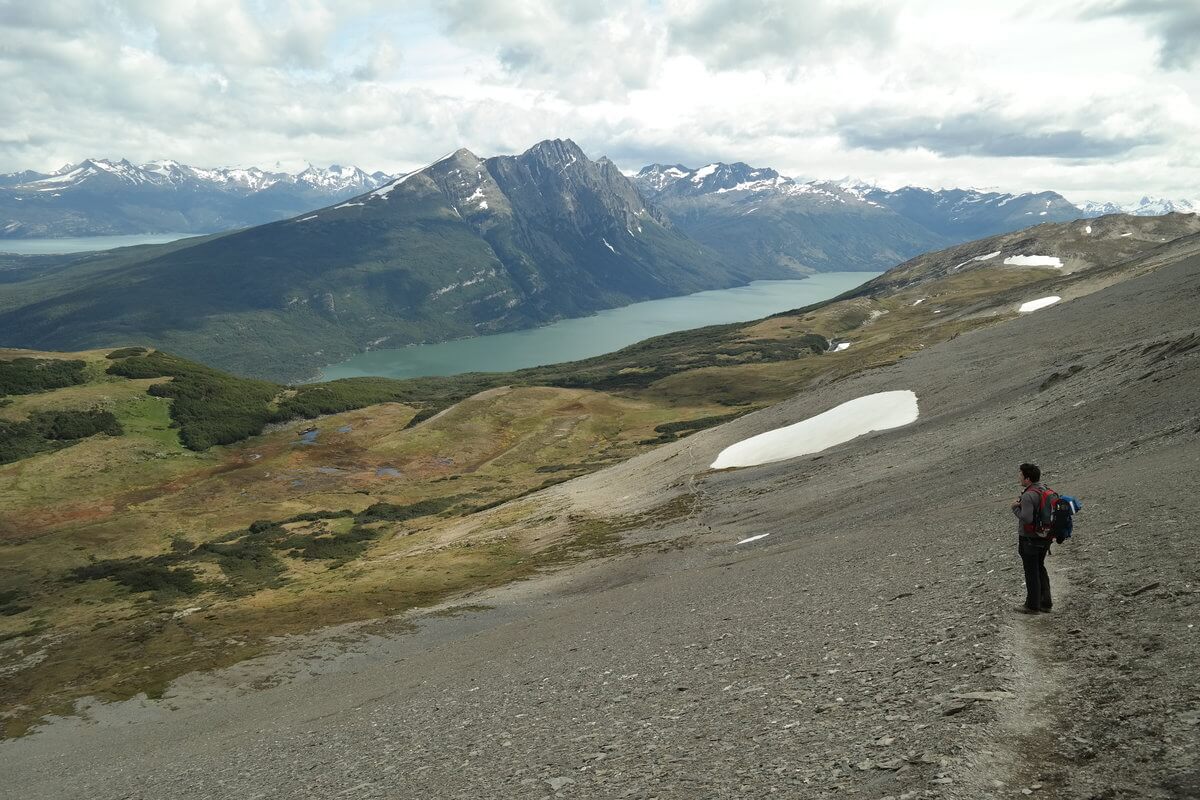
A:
x: 1032, y: 472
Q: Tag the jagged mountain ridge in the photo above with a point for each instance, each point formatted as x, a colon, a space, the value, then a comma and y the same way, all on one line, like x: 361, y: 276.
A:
x: 946, y: 215
x: 1145, y: 207
x: 98, y: 196
x: 168, y: 172
x: 966, y: 214
x: 755, y: 216
x: 461, y: 247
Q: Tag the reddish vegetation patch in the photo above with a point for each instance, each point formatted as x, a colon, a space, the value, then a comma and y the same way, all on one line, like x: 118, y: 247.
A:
x: 30, y: 523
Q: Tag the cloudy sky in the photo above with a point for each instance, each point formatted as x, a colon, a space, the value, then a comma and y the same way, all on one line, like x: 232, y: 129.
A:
x: 1098, y: 99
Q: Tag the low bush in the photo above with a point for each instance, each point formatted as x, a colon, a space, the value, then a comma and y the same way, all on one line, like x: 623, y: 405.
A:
x: 142, y: 575
x: 66, y: 425
x: 52, y: 430
x: 249, y: 563
x: 30, y: 375
x: 20, y: 440
x: 313, y: 400
x: 9, y: 607
x: 126, y: 352
x: 389, y: 512
x: 209, y: 406
x: 313, y: 516
x: 339, y: 547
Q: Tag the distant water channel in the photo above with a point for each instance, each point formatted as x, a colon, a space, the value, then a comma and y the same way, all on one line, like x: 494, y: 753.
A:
x: 83, y: 244
x: 584, y: 337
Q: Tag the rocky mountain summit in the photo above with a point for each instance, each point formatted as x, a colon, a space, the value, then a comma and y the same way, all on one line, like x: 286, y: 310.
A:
x: 98, y: 196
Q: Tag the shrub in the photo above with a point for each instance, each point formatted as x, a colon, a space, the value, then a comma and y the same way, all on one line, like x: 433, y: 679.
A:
x: 65, y: 425
x: 209, y: 406
x: 347, y: 394
x: 248, y: 563
x: 9, y: 607
x: 313, y: 516
x: 20, y: 440
x: 126, y: 352
x: 389, y: 512
x: 52, y: 430
x: 340, y: 547
x: 30, y: 375
x: 142, y: 575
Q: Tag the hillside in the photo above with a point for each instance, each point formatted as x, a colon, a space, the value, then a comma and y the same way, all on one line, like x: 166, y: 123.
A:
x: 405, y: 493
x: 98, y: 197
x: 462, y: 247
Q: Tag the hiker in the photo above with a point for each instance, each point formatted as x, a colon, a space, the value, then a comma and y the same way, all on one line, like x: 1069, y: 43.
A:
x: 1032, y: 548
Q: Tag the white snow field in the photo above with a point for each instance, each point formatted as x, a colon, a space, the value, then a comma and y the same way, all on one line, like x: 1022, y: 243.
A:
x: 874, y: 412
x: 1034, y: 261
x: 1041, y: 302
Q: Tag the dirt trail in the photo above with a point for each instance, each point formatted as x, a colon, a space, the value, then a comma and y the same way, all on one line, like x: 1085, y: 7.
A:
x: 1024, y: 735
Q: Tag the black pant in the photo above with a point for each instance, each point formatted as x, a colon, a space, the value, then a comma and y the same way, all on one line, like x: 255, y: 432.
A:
x: 1037, y: 580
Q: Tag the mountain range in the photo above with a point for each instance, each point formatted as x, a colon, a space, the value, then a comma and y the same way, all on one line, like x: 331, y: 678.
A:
x: 756, y: 215
x: 1145, y: 207
x: 102, y: 197
x: 461, y: 247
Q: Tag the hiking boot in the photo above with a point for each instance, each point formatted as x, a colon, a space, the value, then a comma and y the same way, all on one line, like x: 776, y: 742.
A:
x: 1025, y: 610
x: 1046, y: 609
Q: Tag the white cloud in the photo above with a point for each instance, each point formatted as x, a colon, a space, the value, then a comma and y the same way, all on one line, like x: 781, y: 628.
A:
x: 728, y: 34
x: 1099, y: 103
x: 1175, y: 23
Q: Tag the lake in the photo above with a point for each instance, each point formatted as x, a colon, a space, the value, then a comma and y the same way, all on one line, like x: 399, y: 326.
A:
x: 82, y: 244
x: 584, y: 337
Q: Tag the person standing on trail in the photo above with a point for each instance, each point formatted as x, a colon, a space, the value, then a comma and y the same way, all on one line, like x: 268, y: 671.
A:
x: 1031, y: 547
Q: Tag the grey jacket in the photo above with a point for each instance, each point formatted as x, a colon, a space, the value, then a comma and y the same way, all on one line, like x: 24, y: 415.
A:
x: 1028, y: 508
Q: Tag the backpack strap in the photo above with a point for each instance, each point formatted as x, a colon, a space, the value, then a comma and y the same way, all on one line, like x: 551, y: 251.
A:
x: 1042, y: 491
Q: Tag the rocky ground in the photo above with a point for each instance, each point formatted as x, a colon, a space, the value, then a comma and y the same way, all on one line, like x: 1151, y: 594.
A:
x: 867, y: 647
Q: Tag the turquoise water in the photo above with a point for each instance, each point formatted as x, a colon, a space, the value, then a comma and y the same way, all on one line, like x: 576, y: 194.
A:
x: 573, y: 339
x: 82, y: 244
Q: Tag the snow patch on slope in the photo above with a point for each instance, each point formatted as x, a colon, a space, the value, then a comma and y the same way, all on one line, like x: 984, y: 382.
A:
x: 1041, y: 302
x: 875, y: 412
x: 1034, y: 261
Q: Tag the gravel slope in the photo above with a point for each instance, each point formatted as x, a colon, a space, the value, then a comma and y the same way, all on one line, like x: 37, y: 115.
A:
x: 865, y: 648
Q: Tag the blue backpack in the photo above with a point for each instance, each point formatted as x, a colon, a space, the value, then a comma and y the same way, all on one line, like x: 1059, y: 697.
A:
x: 1062, y: 520
x: 1053, y: 515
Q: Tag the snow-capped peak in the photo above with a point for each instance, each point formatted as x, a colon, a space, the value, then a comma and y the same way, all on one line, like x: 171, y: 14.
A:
x: 717, y: 177
x: 855, y: 186
x: 699, y: 175
x: 1143, y: 207
x: 657, y: 177
x: 169, y: 173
